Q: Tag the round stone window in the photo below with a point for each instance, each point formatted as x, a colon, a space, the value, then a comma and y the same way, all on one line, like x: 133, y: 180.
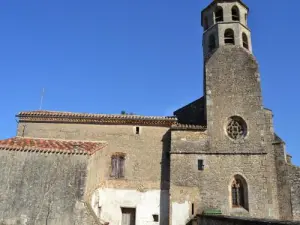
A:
x: 236, y: 128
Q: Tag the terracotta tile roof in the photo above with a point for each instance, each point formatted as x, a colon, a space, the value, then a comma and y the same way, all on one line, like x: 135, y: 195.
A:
x: 51, y: 146
x: 179, y: 126
x: 70, y: 117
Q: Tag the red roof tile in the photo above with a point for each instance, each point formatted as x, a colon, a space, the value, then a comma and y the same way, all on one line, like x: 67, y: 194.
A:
x: 48, y: 145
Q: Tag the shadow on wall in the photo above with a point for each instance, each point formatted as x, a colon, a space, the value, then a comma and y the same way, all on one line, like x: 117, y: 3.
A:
x: 165, y: 180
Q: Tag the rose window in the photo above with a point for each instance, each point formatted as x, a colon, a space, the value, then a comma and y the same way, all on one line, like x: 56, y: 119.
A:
x: 236, y: 128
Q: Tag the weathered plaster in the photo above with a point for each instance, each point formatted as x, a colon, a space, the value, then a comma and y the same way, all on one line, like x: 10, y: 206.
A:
x: 146, y: 204
x: 180, y: 213
x: 39, y: 188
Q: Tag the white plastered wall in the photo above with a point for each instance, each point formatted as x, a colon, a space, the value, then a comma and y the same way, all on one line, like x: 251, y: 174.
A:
x: 180, y: 213
x: 146, y: 204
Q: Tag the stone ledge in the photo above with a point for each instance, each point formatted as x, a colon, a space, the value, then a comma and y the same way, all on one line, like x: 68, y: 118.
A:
x: 218, y: 153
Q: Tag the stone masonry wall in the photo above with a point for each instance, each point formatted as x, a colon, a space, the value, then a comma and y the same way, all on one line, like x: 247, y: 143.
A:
x: 146, y: 158
x: 210, y: 188
x: 294, y: 176
x: 268, y: 136
x: 147, y: 163
x: 213, y: 184
x: 233, y: 89
x: 38, y: 189
x: 283, y: 182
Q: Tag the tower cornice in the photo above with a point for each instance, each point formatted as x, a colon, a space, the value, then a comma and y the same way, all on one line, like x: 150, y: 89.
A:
x: 222, y: 1
x: 227, y: 23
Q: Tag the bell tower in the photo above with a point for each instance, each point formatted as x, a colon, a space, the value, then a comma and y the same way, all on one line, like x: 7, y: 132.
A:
x: 234, y: 112
x: 225, y: 23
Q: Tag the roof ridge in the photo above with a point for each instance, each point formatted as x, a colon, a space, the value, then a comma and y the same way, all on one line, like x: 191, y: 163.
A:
x: 188, y: 126
x: 86, y: 113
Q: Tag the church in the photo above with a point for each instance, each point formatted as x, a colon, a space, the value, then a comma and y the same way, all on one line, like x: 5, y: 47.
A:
x: 219, y: 153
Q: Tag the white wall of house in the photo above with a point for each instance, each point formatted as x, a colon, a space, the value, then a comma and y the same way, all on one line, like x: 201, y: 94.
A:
x: 180, y: 213
x: 146, y: 204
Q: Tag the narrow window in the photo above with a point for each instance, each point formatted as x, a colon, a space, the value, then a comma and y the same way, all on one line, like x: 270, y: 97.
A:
x: 235, y: 13
x: 200, y: 164
x: 193, y: 210
x: 245, y: 41
x: 219, y: 14
x: 211, y: 43
x: 117, y: 165
x: 229, y: 37
x: 239, y: 193
x: 137, y: 130
x: 155, y: 218
x: 246, y: 18
x: 205, y: 23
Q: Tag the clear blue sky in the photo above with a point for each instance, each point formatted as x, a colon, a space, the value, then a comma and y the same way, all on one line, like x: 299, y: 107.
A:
x: 142, y: 56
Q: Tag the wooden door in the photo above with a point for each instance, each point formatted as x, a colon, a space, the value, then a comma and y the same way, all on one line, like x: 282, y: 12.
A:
x: 128, y: 216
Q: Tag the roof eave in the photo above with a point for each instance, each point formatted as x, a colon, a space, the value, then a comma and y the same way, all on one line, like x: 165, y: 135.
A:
x: 83, y: 118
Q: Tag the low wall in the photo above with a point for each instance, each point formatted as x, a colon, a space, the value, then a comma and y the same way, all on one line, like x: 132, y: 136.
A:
x: 43, y: 188
x: 223, y: 220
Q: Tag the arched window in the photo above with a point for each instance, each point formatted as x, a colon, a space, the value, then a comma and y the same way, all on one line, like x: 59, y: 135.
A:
x: 229, y: 37
x: 205, y: 23
x: 211, y: 43
x: 219, y: 14
x: 235, y: 13
x: 245, y: 41
x: 239, y: 193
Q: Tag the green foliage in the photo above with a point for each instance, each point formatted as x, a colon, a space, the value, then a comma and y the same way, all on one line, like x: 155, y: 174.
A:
x: 123, y: 112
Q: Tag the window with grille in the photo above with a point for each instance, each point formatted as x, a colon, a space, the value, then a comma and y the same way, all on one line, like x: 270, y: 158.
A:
x: 117, y: 166
x: 238, y: 194
x: 236, y: 128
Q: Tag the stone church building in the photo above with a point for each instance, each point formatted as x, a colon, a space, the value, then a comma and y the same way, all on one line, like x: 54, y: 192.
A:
x: 219, y: 152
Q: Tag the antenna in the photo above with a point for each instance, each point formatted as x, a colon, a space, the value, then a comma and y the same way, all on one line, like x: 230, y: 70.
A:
x: 42, y: 98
